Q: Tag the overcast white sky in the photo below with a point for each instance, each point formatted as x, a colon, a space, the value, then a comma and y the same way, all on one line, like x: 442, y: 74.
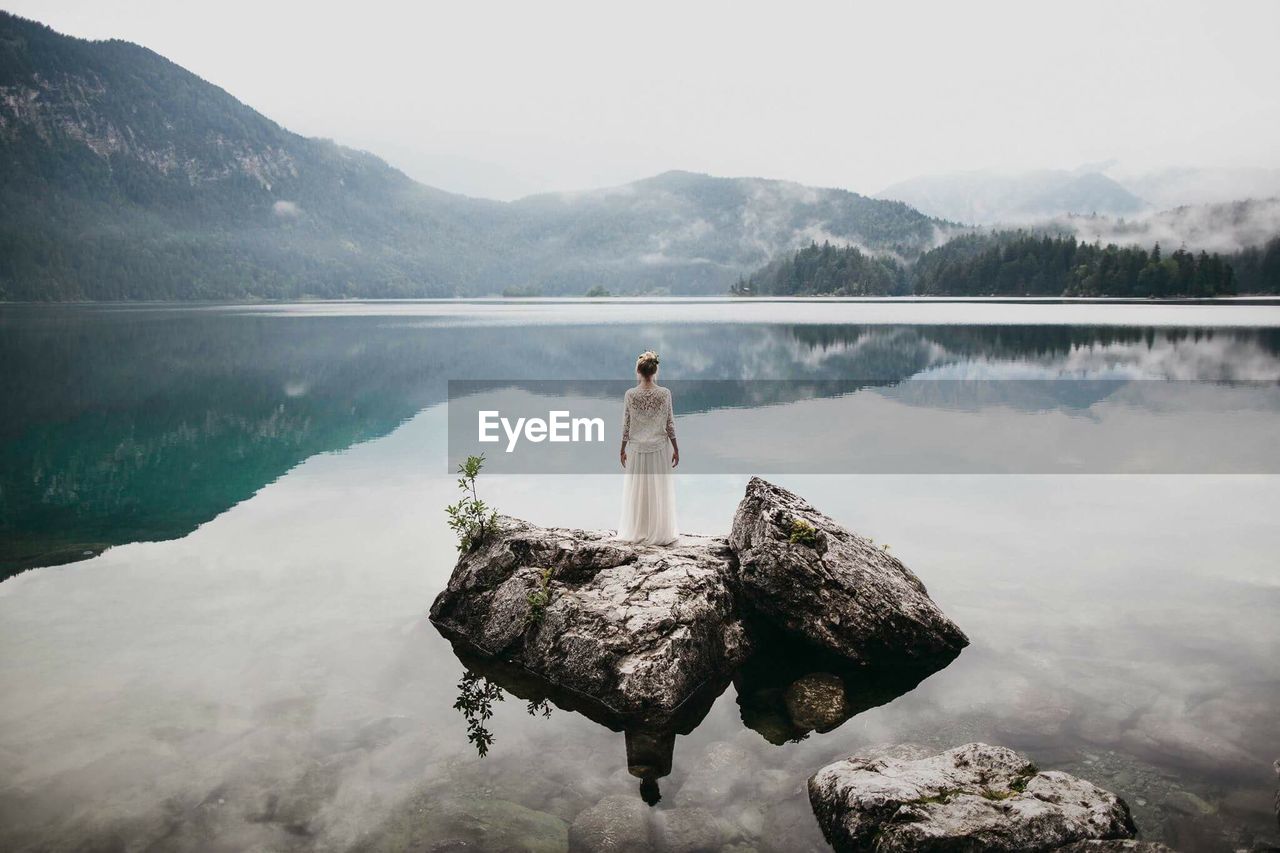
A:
x: 504, y: 99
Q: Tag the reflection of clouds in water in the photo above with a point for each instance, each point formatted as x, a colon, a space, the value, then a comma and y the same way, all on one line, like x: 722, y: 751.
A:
x: 997, y: 427
x: 1223, y: 357
x: 904, y: 343
x: 790, y: 354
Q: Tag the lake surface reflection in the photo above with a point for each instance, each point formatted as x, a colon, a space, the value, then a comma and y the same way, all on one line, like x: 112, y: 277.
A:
x: 244, y: 660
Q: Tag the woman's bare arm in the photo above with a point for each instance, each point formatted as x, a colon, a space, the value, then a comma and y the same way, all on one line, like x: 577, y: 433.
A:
x: 671, y: 433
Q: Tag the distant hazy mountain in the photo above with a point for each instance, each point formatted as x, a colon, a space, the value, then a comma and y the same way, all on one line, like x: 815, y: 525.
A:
x: 984, y: 198
x: 124, y: 176
x: 1166, y: 188
x: 686, y: 231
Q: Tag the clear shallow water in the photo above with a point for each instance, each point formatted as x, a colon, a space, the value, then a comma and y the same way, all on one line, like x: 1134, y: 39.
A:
x: 266, y: 677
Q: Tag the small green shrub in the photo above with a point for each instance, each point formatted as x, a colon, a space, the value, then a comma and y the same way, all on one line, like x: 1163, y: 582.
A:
x: 943, y: 796
x: 1020, y: 784
x: 471, y: 518
x: 541, y: 596
x: 803, y: 533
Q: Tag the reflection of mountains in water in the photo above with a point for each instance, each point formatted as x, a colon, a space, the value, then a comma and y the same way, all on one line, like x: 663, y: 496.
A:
x: 122, y: 425
x: 786, y: 691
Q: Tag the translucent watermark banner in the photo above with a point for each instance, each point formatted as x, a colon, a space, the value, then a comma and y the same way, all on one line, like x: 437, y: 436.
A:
x: 915, y: 426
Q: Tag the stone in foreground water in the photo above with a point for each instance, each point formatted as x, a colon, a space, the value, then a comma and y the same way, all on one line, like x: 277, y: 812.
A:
x: 973, y: 797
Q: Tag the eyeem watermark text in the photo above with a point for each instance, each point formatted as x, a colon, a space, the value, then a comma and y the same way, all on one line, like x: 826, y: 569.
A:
x: 874, y: 426
x: 559, y: 426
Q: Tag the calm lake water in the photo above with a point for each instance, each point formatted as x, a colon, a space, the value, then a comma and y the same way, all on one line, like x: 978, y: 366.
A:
x: 236, y: 518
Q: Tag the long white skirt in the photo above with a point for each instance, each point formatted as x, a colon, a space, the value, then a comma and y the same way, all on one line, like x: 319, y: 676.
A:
x: 648, y: 498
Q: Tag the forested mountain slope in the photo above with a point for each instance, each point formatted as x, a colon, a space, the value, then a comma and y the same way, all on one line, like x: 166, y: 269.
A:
x: 124, y: 176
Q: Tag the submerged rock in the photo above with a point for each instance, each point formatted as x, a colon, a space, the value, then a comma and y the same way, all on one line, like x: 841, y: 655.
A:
x: 720, y: 775
x: 816, y: 702
x: 973, y: 797
x: 436, y: 820
x: 689, y: 830
x: 808, y: 575
x: 638, y: 629
x: 613, y: 825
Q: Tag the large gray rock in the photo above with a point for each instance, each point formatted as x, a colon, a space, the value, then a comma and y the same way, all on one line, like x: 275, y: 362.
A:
x: 973, y: 797
x: 838, y: 591
x: 689, y: 830
x: 616, y: 824
x: 638, y: 629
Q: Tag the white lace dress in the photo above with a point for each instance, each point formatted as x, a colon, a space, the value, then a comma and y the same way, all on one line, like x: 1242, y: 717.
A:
x: 648, y: 489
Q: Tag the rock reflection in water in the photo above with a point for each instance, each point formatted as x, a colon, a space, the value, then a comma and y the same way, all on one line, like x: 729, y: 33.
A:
x: 650, y: 743
x: 786, y: 691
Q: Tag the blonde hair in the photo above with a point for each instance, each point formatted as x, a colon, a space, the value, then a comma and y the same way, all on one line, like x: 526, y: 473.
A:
x: 647, y: 363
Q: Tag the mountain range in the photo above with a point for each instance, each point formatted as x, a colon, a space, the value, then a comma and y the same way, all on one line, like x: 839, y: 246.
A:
x: 987, y: 198
x: 1106, y: 190
x: 124, y: 176
x: 1189, y: 187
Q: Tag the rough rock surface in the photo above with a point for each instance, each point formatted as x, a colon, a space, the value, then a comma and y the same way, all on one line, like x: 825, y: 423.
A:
x: 614, y: 825
x: 637, y: 628
x: 689, y: 830
x: 973, y: 797
x: 718, y: 776
x: 816, y: 701
x: 841, y: 592
x: 1125, y: 845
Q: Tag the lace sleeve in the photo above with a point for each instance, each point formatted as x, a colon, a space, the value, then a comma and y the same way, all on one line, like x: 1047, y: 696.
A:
x: 626, y: 417
x: 671, y: 422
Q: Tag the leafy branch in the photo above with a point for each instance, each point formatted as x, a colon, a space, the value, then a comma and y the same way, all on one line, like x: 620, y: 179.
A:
x: 471, y: 518
x: 476, y: 695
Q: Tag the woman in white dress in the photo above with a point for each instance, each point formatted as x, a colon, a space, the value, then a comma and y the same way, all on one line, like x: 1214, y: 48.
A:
x: 649, y: 452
